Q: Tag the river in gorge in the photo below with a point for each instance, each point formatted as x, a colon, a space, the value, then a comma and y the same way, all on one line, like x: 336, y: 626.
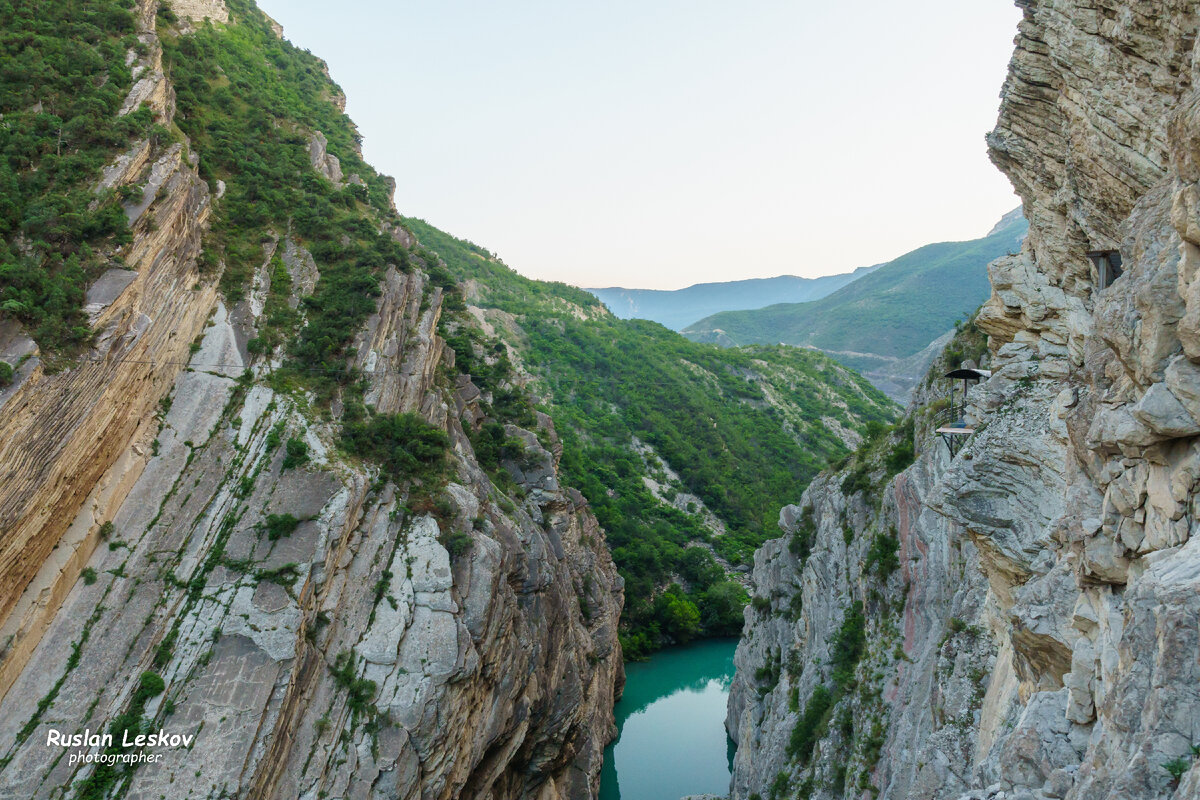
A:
x: 671, y: 738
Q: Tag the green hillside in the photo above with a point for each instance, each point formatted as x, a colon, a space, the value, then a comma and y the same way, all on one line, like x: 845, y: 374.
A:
x: 674, y: 443
x: 893, y: 312
x: 745, y: 429
x: 678, y: 308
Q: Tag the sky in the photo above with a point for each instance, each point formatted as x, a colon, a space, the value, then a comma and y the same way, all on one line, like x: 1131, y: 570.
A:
x: 666, y: 143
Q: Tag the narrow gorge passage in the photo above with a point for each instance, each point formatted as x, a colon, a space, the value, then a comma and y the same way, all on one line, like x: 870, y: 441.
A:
x: 671, y: 739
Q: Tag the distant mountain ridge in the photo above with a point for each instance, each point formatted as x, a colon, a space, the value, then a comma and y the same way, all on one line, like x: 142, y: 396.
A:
x: 878, y: 323
x: 678, y: 308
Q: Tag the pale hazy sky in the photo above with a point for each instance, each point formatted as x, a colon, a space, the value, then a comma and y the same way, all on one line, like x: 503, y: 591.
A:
x: 663, y: 143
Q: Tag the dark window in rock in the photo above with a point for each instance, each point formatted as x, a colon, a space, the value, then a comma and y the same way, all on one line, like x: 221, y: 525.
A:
x: 1108, y: 266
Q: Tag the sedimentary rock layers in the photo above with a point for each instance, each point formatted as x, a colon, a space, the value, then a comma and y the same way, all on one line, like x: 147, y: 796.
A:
x: 1075, y: 502
x: 186, y: 546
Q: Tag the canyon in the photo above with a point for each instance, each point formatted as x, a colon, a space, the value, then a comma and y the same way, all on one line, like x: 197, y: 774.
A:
x: 358, y: 566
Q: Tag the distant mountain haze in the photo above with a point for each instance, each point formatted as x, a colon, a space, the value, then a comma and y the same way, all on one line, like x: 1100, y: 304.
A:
x: 678, y: 308
x: 879, y: 322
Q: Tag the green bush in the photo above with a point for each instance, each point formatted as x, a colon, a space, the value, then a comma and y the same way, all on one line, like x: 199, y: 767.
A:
x: 404, y: 444
x: 721, y: 608
x: 360, y: 691
x: 150, y: 684
x: 6, y: 374
x: 847, y: 646
x: 882, y: 557
x: 456, y: 542
x: 802, y: 539
x: 858, y: 479
x: 295, y: 453
x: 903, y: 453
x: 279, y: 525
x: 767, y: 676
x: 680, y: 616
x: 162, y: 653
x: 1176, y: 767
x: 811, y: 725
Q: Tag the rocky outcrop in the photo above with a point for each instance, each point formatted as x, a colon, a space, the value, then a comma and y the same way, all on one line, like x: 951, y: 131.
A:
x: 906, y: 721
x: 199, y: 10
x: 349, y: 654
x: 1074, y: 504
x: 325, y: 163
x: 62, y: 430
x: 321, y: 628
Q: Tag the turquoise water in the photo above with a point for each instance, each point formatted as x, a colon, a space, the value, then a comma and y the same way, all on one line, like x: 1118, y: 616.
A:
x: 671, y: 737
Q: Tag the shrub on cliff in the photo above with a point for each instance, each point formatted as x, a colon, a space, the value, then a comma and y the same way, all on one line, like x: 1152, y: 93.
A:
x: 405, y: 445
x: 811, y: 725
x: 295, y: 453
x: 883, y: 557
x: 847, y: 646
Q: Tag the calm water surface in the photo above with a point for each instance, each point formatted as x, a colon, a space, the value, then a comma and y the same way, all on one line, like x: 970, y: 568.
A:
x: 671, y: 737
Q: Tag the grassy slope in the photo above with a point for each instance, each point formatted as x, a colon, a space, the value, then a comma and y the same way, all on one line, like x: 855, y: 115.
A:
x: 742, y: 427
x: 894, y: 311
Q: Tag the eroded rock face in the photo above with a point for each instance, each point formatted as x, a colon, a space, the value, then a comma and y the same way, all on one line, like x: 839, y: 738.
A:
x: 61, y: 433
x: 321, y: 630
x: 491, y: 674
x: 324, y: 162
x: 1073, y: 507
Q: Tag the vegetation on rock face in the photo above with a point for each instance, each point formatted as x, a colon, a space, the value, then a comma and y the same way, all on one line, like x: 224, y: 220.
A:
x: 745, y: 430
x: 845, y: 708
x: 249, y: 102
x: 63, y: 80
x: 105, y: 776
x: 406, y: 445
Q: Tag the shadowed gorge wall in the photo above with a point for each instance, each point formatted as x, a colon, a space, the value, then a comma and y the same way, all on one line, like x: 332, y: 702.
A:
x: 1035, y: 635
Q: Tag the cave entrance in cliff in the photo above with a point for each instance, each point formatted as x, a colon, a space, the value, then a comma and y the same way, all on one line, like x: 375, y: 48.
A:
x: 1108, y: 266
x: 952, y: 423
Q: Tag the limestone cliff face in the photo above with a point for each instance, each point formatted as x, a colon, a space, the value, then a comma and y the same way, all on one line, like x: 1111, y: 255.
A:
x: 1061, y: 576
x: 61, y: 433
x: 907, y: 720
x: 321, y: 631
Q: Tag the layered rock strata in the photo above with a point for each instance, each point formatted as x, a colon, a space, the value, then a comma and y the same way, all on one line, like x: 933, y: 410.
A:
x: 1073, y: 601
x: 319, y: 629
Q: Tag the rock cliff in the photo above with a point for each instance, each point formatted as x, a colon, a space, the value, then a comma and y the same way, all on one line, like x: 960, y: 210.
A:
x: 188, y: 547
x: 1038, y: 635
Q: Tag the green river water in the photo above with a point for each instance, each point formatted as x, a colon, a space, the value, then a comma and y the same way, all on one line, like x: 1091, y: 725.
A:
x: 671, y: 737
